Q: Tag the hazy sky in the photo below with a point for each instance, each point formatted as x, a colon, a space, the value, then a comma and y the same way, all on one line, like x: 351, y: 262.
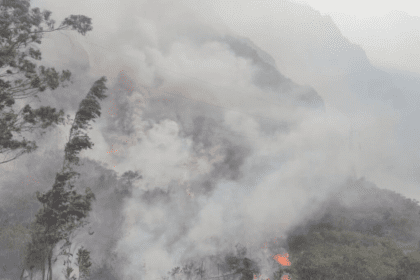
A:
x: 362, y: 9
x: 387, y: 30
x: 378, y: 26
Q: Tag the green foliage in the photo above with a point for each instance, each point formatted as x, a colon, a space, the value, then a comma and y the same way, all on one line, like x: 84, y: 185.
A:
x: 83, y: 261
x: 64, y: 209
x: 127, y: 180
x: 80, y: 23
x: 45, y: 116
x: 369, y: 239
x: 239, y: 264
x: 89, y: 109
x: 37, y: 248
x: 20, y: 77
x: 232, y: 266
x: 131, y: 175
x: 175, y: 271
x: 409, y: 266
x: 329, y: 253
x: 187, y: 269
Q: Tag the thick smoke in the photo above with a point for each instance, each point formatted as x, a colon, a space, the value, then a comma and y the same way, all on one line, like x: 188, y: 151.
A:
x: 238, y: 123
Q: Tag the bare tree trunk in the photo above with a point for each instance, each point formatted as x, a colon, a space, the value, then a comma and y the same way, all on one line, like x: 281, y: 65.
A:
x: 223, y: 277
x: 21, y: 276
x: 201, y: 272
x: 49, y: 265
x: 43, y: 271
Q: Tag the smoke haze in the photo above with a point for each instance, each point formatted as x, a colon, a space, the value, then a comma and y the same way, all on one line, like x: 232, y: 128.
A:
x: 240, y: 119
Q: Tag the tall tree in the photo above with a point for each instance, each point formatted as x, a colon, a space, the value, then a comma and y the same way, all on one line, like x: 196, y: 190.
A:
x: 65, y: 210
x: 20, y: 28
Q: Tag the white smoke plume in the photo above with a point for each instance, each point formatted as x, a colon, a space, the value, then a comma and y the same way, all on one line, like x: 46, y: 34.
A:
x: 240, y: 119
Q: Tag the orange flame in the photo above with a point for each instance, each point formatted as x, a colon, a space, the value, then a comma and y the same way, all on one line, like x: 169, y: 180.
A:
x: 282, y: 259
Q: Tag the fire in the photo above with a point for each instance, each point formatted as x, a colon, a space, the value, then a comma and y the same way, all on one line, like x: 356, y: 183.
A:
x: 283, y: 259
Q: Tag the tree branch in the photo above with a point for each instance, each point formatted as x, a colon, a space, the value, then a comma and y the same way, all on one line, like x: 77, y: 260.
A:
x: 21, y: 153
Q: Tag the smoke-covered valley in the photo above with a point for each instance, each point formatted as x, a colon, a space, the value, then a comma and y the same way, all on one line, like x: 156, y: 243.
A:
x: 225, y: 124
